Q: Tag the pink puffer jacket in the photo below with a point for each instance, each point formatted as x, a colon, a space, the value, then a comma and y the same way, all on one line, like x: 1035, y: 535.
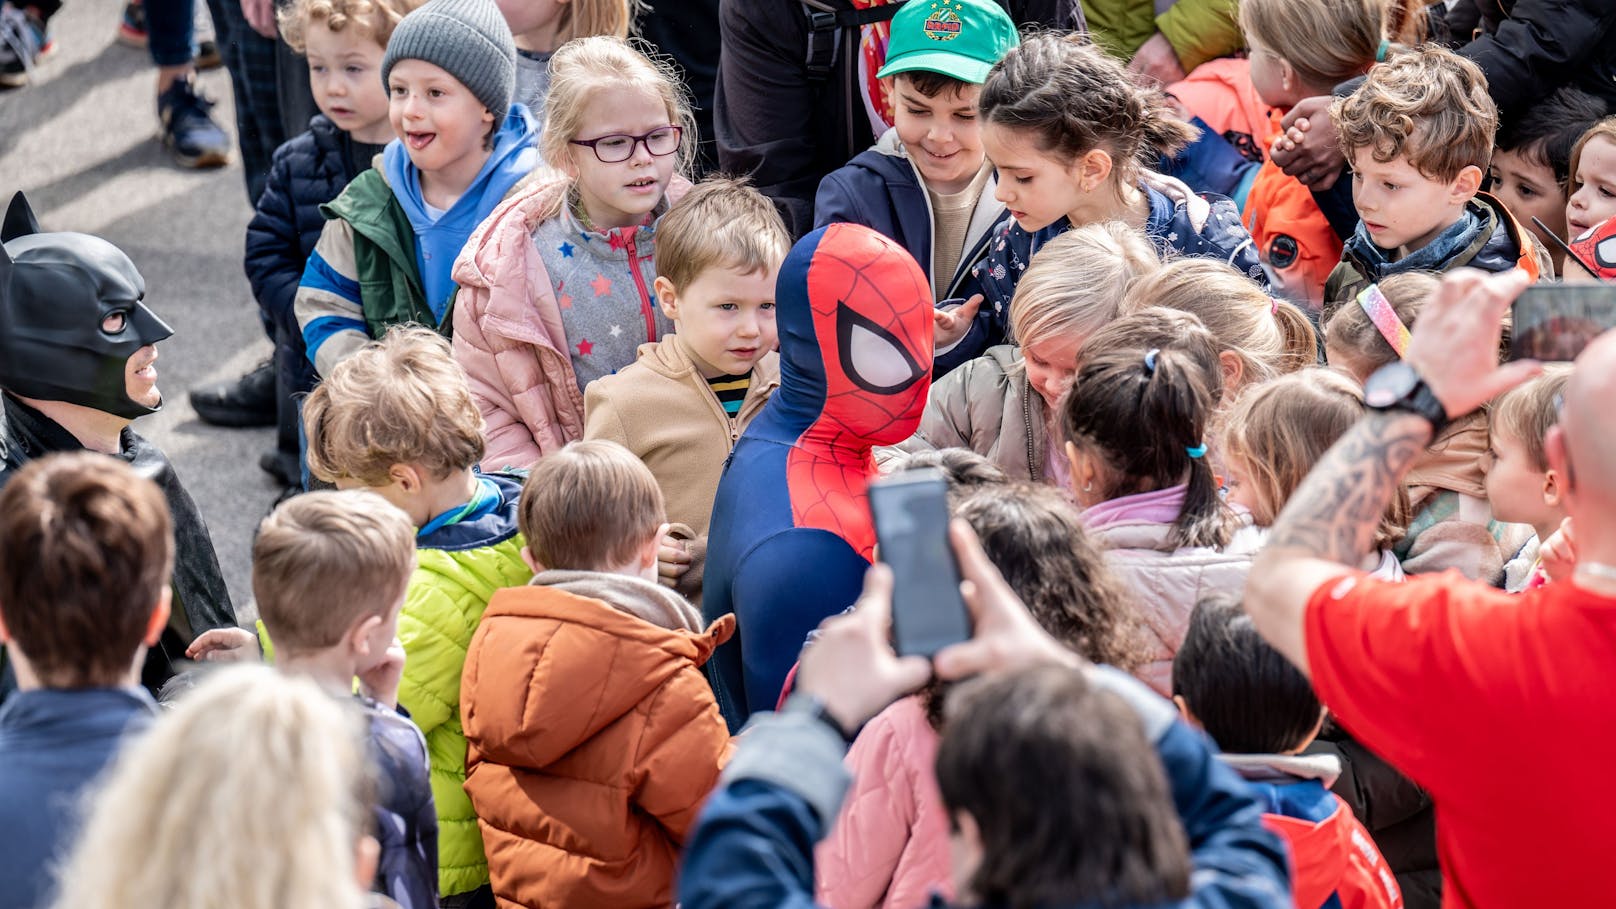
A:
x: 889, y: 846
x: 508, y: 334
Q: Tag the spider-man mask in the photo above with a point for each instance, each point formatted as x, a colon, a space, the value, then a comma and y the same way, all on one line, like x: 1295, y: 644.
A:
x: 856, y: 355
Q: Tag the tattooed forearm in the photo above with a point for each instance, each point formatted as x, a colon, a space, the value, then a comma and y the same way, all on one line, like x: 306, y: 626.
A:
x: 1335, y: 512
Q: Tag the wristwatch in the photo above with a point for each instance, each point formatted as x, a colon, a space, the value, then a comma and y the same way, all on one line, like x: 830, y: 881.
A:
x: 1396, y: 386
x: 811, y: 706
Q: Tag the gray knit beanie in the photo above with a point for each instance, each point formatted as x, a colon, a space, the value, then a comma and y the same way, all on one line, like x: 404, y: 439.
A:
x: 469, y: 39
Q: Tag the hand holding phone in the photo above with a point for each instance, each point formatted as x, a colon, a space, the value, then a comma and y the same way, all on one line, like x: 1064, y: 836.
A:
x: 1554, y: 322
x: 911, y: 527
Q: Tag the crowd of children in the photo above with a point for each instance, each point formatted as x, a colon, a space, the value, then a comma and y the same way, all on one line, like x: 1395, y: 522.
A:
x: 573, y: 596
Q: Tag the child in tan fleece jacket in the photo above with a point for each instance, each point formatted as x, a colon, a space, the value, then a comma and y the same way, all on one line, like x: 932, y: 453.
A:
x: 681, y: 406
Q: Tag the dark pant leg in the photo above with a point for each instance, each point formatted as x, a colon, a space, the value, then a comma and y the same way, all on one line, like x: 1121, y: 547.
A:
x: 169, y: 26
x: 295, y: 97
x: 250, y: 57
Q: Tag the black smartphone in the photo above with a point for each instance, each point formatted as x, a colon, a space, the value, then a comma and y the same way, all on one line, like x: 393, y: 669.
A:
x: 911, y: 527
x: 1556, y: 321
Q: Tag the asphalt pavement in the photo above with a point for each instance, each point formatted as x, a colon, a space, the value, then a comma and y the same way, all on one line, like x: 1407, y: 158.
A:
x: 81, y: 142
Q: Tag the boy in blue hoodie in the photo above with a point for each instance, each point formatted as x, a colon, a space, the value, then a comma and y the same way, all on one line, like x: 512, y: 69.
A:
x: 927, y: 183
x: 390, y: 243
x: 1262, y: 711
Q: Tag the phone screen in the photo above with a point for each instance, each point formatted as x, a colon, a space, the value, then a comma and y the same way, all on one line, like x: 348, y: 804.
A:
x: 1556, y: 321
x: 911, y: 525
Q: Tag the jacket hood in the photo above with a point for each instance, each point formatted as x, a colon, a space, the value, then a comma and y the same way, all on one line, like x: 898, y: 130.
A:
x: 1325, y: 768
x: 1169, y: 197
x: 514, y: 156
x: 575, y: 652
x: 668, y: 357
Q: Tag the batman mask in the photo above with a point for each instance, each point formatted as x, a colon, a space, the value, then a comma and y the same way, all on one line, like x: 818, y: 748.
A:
x: 70, y: 316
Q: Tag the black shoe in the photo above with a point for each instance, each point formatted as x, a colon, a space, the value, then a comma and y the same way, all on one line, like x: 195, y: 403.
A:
x: 189, y: 131
x: 248, y: 401
x: 283, y: 467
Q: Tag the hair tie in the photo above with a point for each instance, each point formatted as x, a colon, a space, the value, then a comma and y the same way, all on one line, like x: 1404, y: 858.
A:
x: 1150, y: 360
x: 1380, y: 312
x: 1197, y: 452
x: 1380, y: 52
x: 1273, y: 306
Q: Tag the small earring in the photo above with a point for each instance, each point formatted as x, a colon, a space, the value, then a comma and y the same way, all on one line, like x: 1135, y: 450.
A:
x: 1088, y: 487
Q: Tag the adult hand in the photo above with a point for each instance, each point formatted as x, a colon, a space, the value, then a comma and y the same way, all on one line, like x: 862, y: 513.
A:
x: 673, y: 560
x: 260, y: 14
x: 1454, y: 346
x: 951, y: 324
x: 851, y: 667
x: 380, y: 681
x: 1558, y: 554
x: 224, y: 645
x: 1005, y: 634
x: 1157, y: 61
x: 1309, y: 149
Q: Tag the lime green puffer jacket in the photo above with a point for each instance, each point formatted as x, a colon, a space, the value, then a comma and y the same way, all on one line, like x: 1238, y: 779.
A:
x: 1199, y: 30
x: 458, y: 568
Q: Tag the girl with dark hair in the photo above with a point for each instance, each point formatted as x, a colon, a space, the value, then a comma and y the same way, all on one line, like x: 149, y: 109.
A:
x: 1135, y: 424
x: 1072, y: 136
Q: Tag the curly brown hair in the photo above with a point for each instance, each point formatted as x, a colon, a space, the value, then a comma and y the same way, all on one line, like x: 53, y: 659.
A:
x: 1428, y: 105
x: 375, y: 18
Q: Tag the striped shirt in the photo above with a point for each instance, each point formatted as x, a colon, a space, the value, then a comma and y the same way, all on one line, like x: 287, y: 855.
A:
x: 731, y: 391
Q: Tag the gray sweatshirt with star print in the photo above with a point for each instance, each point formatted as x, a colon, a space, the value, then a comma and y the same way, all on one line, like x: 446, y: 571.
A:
x: 603, y: 285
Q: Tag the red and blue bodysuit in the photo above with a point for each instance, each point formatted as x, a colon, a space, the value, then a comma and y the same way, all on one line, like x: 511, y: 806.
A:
x: 791, y: 535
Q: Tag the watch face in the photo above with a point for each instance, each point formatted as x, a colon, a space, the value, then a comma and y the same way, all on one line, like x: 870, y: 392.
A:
x: 1390, y: 384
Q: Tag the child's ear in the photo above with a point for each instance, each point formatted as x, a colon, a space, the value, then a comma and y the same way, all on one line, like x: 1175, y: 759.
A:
x: 1185, y: 712
x: 1234, y: 370
x: 1467, y: 184
x: 358, y: 634
x: 1092, y: 169
x: 158, y: 620
x: 532, y: 563
x: 1551, y: 488
x: 406, y: 476
x: 667, y: 297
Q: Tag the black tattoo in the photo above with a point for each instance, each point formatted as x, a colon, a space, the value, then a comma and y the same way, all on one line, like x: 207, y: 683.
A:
x: 1335, y: 512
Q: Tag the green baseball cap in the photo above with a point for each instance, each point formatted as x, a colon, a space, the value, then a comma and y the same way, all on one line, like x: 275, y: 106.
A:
x: 958, y: 38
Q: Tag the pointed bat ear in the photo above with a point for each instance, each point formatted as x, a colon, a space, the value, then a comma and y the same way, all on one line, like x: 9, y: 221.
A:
x: 20, y: 220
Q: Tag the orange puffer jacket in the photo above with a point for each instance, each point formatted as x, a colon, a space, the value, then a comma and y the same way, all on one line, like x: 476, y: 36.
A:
x: 593, y: 738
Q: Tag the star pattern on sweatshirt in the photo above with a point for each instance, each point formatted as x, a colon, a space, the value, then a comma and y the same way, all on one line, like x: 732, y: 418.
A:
x: 565, y: 301
x: 617, y: 331
x: 602, y: 285
x: 566, y: 249
x: 585, y: 348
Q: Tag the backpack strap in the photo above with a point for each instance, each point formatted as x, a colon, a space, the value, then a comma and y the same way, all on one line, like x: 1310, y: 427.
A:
x: 827, y: 22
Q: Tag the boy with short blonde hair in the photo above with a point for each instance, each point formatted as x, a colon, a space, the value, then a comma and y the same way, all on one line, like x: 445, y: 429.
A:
x: 1418, y: 135
x: 593, y: 735
x: 1521, y: 486
x: 397, y: 418
x: 681, y: 406
x: 330, y: 572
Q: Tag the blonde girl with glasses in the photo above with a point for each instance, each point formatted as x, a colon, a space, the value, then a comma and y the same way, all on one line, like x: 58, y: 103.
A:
x: 556, y: 286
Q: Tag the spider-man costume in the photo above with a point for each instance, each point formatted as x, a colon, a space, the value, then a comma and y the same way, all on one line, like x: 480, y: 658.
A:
x: 791, y: 535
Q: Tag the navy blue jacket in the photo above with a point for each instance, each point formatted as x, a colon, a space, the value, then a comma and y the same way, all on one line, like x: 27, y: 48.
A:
x: 753, y: 845
x: 52, y: 745
x: 882, y: 190
x: 1180, y: 223
x: 306, y: 172
x: 406, y: 819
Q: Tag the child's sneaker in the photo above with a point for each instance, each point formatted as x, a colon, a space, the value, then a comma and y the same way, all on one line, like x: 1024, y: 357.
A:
x: 22, y: 45
x: 132, y: 28
x: 188, y: 130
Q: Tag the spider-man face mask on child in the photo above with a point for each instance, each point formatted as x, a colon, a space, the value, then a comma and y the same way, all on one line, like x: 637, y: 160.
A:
x: 856, y: 361
x: 71, y: 316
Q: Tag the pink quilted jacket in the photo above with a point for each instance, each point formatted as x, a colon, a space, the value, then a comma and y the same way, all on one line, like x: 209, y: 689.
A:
x: 508, y: 334
x: 889, y: 846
